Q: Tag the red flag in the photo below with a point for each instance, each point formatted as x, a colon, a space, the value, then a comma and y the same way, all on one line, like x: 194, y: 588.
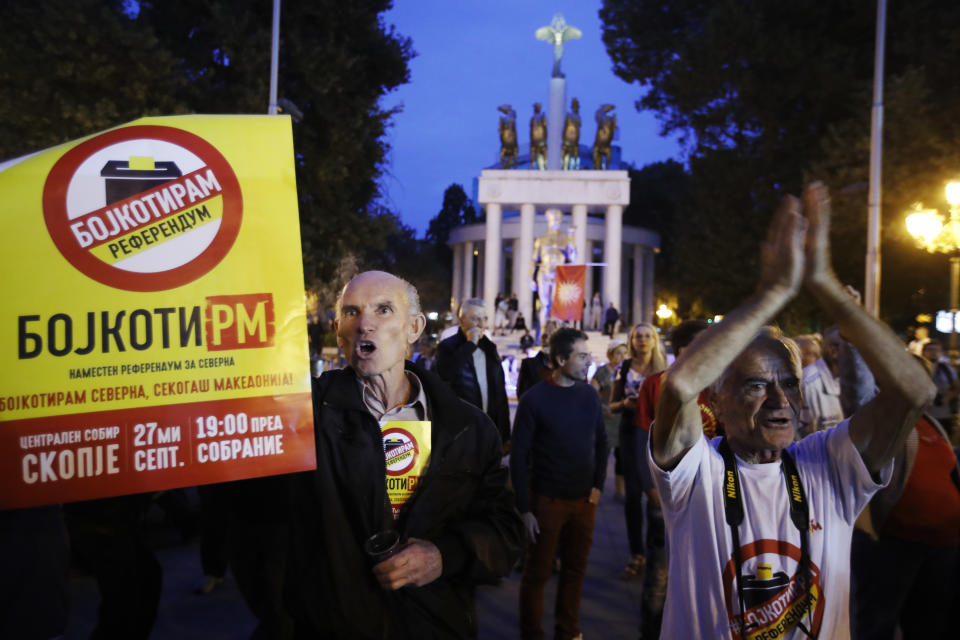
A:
x: 568, y: 292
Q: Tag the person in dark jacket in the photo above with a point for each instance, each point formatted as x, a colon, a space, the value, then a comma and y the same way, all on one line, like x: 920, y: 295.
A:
x: 468, y: 361
x: 458, y: 527
x: 534, y: 369
x: 610, y: 317
x: 520, y: 324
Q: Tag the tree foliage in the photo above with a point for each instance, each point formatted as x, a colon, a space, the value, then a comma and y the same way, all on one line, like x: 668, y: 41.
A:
x: 433, y: 275
x: 457, y: 210
x: 921, y: 153
x: 768, y: 94
x: 657, y: 200
x: 71, y: 68
x: 337, y: 59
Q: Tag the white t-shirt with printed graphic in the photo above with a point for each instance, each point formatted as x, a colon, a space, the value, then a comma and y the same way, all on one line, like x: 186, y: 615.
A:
x: 702, y: 599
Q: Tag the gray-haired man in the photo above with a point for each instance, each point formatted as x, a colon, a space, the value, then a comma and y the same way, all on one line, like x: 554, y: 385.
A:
x: 468, y: 361
x: 760, y: 526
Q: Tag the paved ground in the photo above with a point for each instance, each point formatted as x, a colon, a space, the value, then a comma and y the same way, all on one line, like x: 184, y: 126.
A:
x: 609, y: 608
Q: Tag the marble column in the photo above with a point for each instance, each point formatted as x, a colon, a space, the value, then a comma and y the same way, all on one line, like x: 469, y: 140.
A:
x: 588, y: 285
x: 456, y: 288
x: 491, y: 259
x: 467, y: 283
x: 580, y: 232
x: 528, y: 213
x: 556, y: 113
x: 502, y: 280
x: 611, y: 255
x: 478, y: 273
x: 518, y: 278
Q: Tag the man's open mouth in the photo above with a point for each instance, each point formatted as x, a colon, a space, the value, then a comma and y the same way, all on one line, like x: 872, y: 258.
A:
x: 366, y: 347
x: 778, y: 423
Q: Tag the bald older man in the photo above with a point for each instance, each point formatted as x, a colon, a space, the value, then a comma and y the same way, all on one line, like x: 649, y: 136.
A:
x: 377, y: 423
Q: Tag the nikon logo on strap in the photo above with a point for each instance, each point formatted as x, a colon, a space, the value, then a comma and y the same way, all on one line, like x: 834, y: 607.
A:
x: 731, y: 485
x: 796, y: 491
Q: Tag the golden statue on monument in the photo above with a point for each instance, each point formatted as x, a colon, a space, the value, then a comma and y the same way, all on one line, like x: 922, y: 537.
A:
x: 538, y: 138
x: 606, y: 127
x: 508, y: 137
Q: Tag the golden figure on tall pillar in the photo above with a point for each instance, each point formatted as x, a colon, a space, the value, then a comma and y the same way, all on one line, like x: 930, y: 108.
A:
x: 606, y: 127
x: 571, y: 137
x: 538, y: 138
x: 508, y: 137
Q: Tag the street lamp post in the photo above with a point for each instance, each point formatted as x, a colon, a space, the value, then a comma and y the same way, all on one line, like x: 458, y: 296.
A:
x: 954, y: 307
x: 665, y: 316
x: 928, y: 230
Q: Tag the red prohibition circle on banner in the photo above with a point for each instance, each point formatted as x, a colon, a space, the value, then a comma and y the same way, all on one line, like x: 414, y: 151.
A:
x: 403, y: 455
x: 57, y: 213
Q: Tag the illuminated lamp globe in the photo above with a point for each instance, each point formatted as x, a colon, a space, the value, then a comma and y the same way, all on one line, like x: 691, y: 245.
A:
x: 953, y: 193
x: 924, y: 224
x: 663, y: 312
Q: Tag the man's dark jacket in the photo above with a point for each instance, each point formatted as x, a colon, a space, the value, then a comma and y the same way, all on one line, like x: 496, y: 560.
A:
x: 462, y: 505
x: 455, y: 367
x: 534, y: 369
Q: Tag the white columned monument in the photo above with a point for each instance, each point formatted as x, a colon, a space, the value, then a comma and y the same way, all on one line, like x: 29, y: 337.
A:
x: 581, y: 192
x: 592, y: 202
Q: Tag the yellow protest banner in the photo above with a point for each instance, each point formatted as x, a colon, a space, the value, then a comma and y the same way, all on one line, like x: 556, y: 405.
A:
x: 153, y: 321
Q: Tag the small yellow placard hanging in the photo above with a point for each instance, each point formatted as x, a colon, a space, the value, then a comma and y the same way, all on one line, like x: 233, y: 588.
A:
x: 406, y: 445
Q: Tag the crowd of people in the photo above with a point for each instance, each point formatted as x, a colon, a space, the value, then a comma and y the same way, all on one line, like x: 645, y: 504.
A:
x: 794, y: 488
x: 772, y: 487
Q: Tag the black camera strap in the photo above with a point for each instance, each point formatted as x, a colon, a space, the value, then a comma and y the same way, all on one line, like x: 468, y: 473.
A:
x: 799, y: 515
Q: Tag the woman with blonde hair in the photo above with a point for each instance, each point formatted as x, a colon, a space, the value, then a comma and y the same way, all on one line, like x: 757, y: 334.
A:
x: 645, y: 356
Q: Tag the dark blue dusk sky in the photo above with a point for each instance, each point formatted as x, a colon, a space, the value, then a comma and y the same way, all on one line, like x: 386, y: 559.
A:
x: 474, y: 55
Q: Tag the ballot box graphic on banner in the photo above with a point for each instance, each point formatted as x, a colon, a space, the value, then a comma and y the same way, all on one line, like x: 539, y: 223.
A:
x: 155, y: 335
x: 124, y: 178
